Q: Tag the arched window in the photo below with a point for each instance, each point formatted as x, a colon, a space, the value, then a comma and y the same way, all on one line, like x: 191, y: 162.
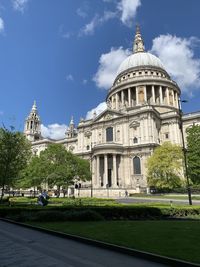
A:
x: 109, y: 134
x: 136, y: 165
x: 135, y: 140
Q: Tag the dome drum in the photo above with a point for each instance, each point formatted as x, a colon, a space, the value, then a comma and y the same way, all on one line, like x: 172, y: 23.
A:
x: 142, y: 94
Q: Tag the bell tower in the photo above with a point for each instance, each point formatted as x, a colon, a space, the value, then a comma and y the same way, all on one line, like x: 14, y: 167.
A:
x: 32, y: 127
x: 71, y: 130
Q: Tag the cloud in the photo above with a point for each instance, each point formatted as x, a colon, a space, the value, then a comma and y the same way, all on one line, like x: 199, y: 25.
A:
x: 66, y: 35
x: 85, y: 81
x: 1, y: 25
x: 177, y: 55
x: 97, y: 21
x: 69, y: 77
x: 54, y: 131
x: 19, y: 5
x: 99, y: 109
x: 128, y: 9
x: 108, y: 66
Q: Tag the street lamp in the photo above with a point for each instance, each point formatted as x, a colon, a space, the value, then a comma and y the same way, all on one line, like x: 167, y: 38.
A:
x: 91, y: 171
x: 184, y: 151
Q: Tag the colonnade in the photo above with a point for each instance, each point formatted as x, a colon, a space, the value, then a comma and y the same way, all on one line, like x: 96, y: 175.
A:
x: 152, y: 94
x: 105, y: 169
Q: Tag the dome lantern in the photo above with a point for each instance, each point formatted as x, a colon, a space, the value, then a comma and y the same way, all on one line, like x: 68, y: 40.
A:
x: 138, y: 44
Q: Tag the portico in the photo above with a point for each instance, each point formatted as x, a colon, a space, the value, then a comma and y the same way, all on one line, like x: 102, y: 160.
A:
x: 107, y: 170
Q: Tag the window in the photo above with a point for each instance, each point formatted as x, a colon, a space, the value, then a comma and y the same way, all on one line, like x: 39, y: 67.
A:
x: 109, y: 134
x: 166, y: 136
x: 88, y: 147
x: 136, y: 165
x: 135, y: 140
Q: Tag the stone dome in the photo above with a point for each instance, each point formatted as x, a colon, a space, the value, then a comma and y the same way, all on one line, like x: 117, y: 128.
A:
x: 140, y: 59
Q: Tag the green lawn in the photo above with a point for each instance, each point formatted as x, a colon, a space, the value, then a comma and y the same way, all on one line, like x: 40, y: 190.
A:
x: 176, y: 239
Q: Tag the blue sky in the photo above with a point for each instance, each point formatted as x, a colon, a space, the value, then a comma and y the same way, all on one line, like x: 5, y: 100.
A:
x: 59, y: 53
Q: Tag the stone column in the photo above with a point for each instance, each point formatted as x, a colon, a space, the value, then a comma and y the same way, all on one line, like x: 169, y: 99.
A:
x: 176, y: 99
x: 167, y: 95
x: 112, y: 102
x: 136, y: 94
x: 114, y: 182
x: 145, y: 94
x: 122, y: 98
x: 129, y: 97
x: 173, y: 98
x: 105, y: 170
x: 161, y: 95
x: 153, y: 93
x: 117, y: 101
x: 97, y: 171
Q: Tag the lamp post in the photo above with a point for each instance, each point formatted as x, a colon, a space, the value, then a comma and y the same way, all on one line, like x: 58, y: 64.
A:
x: 91, y: 172
x: 184, y: 151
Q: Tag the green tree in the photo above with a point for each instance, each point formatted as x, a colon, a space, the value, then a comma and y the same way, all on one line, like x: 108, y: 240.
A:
x: 165, y: 166
x: 193, y: 153
x: 15, y: 151
x: 33, y: 175
x: 62, y: 166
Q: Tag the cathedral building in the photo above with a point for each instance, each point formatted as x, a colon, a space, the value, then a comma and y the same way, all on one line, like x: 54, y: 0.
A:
x: 143, y: 111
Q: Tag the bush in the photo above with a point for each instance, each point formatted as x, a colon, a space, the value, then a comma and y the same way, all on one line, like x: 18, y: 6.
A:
x: 84, y: 215
x: 48, y: 216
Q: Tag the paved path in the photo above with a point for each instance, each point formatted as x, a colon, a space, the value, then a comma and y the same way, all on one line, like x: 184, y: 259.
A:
x: 131, y: 200
x: 23, y: 247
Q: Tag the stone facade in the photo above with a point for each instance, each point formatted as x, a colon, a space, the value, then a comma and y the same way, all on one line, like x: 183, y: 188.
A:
x: 142, y: 113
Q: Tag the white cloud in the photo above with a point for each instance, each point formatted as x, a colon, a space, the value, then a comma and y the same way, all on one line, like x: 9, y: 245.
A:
x: 96, y: 21
x: 125, y: 11
x: 20, y: 5
x: 128, y: 9
x: 67, y: 35
x: 54, y: 131
x: 108, y: 66
x: 99, y: 109
x: 177, y: 55
x: 1, y: 25
x: 81, y: 12
x: 69, y: 77
x: 85, y: 81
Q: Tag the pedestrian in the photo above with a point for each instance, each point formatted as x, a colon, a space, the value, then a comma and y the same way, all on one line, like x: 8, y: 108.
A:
x: 126, y: 193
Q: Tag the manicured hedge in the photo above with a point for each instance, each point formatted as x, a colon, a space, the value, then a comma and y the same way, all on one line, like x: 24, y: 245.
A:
x: 85, y: 213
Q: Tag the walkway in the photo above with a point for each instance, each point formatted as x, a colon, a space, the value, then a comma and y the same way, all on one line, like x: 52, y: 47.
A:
x: 23, y: 247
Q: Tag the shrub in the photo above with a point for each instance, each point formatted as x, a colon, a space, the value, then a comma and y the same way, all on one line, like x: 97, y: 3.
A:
x: 49, y: 216
x: 83, y: 215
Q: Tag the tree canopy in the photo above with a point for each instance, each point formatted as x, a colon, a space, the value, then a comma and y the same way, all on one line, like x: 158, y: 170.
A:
x: 15, y: 151
x: 193, y: 153
x: 165, y: 166
x: 56, y: 167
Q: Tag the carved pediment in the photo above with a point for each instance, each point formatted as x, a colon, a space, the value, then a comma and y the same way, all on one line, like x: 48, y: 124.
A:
x: 108, y: 115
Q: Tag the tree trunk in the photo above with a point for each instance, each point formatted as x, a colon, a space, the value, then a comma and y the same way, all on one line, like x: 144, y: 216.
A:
x: 2, y: 193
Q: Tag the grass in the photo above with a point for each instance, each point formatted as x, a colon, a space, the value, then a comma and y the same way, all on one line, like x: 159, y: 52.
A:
x: 176, y: 239
x: 65, y: 201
